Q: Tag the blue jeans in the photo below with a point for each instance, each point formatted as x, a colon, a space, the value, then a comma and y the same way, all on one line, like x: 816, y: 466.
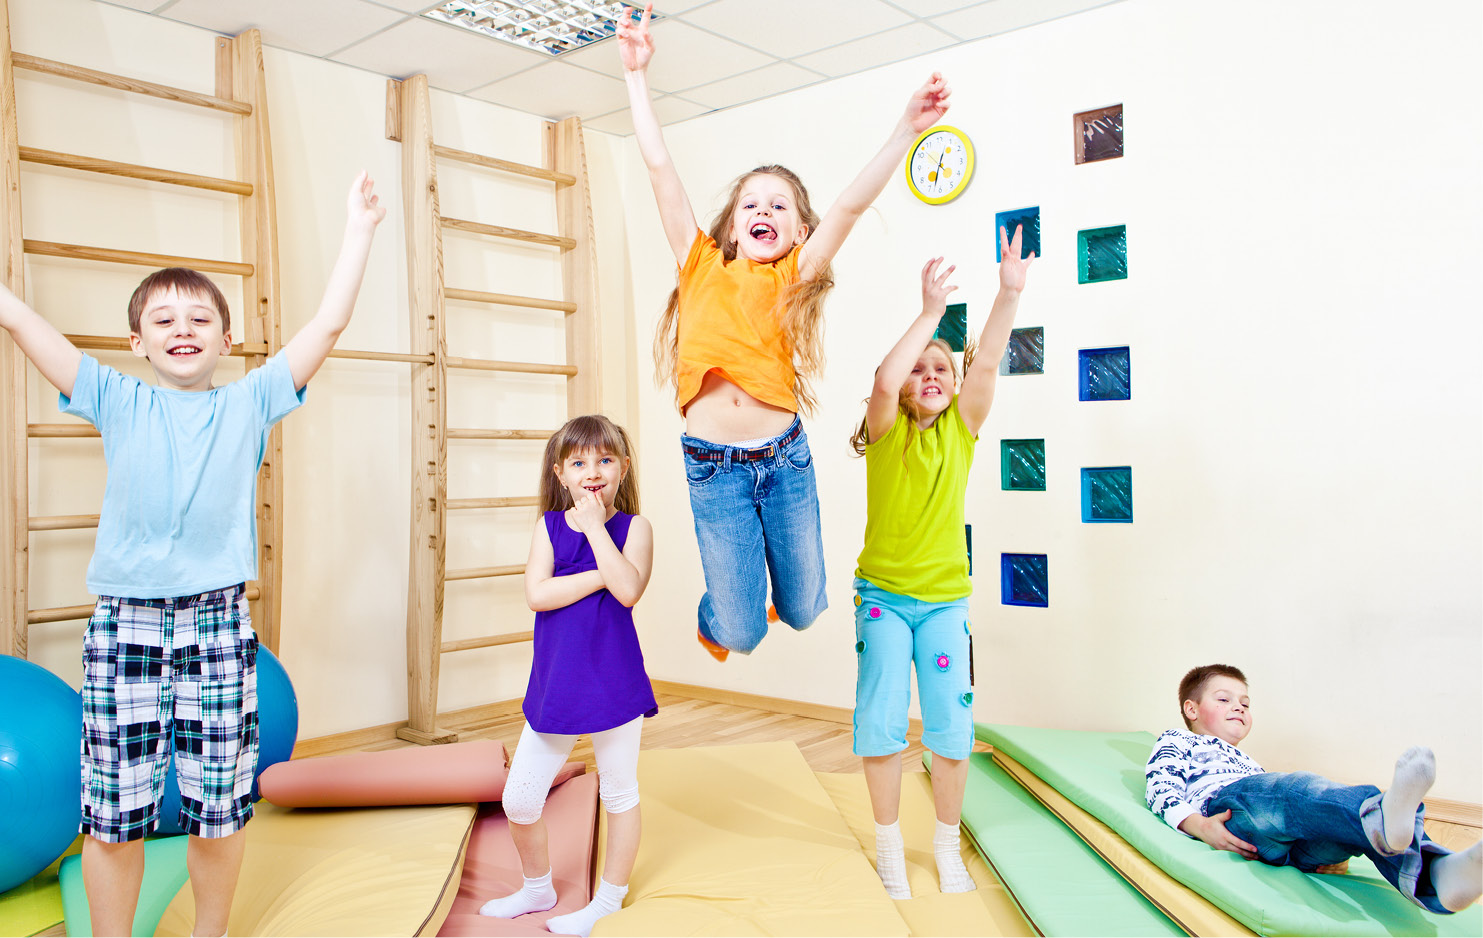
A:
x: 1304, y: 820
x: 756, y: 515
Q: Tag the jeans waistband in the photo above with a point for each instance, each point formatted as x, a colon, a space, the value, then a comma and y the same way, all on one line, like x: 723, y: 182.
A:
x: 717, y: 452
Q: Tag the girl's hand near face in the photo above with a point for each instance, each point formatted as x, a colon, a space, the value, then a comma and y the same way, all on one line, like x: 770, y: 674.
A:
x: 935, y: 287
x: 589, y: 513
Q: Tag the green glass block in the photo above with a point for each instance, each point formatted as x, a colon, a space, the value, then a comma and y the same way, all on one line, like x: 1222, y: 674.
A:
x: 1102, y: 254
x: 953, y: 329
x: 1022, y: 465
x: 1025, y: 353
x: 1107, y: 494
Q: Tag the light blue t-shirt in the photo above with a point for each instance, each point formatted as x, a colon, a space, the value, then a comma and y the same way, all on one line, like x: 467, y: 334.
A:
x: 178, y: 514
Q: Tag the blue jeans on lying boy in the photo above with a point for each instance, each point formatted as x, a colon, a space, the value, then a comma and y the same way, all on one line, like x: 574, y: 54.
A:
x: 1304, y: 820
x: 756, y: 515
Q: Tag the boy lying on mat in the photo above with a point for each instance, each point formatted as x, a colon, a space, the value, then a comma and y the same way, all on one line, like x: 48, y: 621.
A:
x: 1202, y: 785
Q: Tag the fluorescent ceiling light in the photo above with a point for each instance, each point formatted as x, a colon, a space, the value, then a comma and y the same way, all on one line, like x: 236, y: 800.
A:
x: 549, y: 26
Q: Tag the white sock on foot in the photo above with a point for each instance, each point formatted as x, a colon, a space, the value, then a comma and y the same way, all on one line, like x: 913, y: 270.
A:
x: 1458, y: 878
x: 1415, y: 771
x: 890, y: 859
x: 609, y: 898
x: 537, y: 895
x: 952, y: 875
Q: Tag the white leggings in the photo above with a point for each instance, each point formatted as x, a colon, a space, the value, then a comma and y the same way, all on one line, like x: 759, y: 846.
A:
x: 541, y: 755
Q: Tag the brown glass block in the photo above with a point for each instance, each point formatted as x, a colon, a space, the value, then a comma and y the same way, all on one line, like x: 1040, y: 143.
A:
x: 1099, y: 134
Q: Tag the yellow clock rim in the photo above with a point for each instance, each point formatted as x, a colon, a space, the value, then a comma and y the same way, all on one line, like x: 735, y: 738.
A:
x: 967, y: 173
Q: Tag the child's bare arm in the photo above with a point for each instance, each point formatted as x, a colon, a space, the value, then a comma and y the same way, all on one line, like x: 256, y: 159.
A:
x: 635, y: 49
x: 1212, y: 830
x: 880, y: 413
x: 625, y: 573
x: 977, y: 395
x: 927, y: 106
x: 544, y: 590
x: 51, y: 353
x: 308, y: 350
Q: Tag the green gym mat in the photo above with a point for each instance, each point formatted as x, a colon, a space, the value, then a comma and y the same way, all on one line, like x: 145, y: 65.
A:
x: 1061, y: 884
x: 1102, y: 773
x: 35, y: 905
x: 164, y: 874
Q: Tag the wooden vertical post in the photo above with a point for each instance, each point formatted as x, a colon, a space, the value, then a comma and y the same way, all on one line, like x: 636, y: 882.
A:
x: 429, y: 415
x: 578, y: 270
x: 14, y: 488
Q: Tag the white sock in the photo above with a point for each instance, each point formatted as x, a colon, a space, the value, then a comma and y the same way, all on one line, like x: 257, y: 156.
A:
x: 537, y: 895
x: 890, y: 859
x: 609, y: 898
x: 1458, y: 878
x: 1415, y: 771
x: 952, y: 875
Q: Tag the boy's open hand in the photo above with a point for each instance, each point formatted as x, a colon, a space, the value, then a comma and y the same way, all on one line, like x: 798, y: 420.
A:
x: 935, y: 287
x: 589, y: 513
x: 635, y: 45
x: 363, y: 206
x: 928, y: 104
x: 1212, y: 830
x: 1012, y: 267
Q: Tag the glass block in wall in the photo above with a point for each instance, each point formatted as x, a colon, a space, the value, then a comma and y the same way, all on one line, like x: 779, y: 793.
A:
x: 1107, y: 494
x: 1029, y: 218
x: 1024, y: 580
x: 1102, y: 254
x: 1025, y: 353
x: 1099, y: 134
x: 1022, y: 465
x: 1105, y: 374
x: 953, y: 327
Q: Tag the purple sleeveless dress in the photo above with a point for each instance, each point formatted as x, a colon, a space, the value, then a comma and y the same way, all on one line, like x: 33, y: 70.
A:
x: 588, y: 673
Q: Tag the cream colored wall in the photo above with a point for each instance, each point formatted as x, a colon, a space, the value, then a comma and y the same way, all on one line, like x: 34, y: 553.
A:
x: 1301, y: 201
x: 346, y: 451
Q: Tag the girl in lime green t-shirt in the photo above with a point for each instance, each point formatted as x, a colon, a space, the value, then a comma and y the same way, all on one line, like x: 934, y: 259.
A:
x: 911, y: 586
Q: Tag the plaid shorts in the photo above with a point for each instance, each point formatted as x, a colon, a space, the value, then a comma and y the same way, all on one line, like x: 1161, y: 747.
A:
x: 160, y: 674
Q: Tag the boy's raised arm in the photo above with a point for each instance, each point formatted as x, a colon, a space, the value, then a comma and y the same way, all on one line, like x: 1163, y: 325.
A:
x: 927, y: 106
x: 635, y: 49
x: 977, y: 395
x: 307, y: 350
x: 51, y: 353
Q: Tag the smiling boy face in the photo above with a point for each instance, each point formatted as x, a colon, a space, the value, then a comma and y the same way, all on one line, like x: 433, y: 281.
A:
x: 1223, y: 710
x: 182, y: 337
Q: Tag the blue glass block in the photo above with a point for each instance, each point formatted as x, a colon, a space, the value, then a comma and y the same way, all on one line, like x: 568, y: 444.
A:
x: 1102, y: 254
x: 1023, y: 580
x: 1022, y: 465
x: 1029, y: 239
x: 953, y: 327
x: 1105, y: 374
x: 1025, y: 353
x: 1107, y: 494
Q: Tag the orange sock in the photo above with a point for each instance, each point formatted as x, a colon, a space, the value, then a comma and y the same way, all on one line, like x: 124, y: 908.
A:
x: 772, y: 613
x: 719, y: 652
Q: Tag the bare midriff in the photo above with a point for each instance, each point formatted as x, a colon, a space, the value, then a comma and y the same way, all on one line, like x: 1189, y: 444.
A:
x: 723, y: 413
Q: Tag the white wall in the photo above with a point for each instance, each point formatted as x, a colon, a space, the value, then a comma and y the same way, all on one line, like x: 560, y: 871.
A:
x: 1302, y: 204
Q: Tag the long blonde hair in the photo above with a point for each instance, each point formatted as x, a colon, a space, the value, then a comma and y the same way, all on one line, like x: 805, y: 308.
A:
x: 801, y: 305
x: 908, y: 406
x: 596, y: 432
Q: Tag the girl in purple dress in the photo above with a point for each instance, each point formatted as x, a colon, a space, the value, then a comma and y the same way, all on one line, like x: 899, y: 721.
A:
x: 590, y: 559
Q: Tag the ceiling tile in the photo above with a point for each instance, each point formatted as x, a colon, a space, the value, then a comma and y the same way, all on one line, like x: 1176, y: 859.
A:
x: 1001, y: 16
x: 557, y: 90
x: 764, y: 82
x: 409, y: 6
x: 880, y: 49
x: 454, y: 59
x: 671, y: 110
x: 931, y: 7
x: 684, y: 58
x: 315, y: 28
x: 147, y: 6
x: 618, y: 122
x: 805, y: 28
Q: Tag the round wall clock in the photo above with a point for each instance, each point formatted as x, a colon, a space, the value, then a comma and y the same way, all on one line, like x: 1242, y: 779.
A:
x: 939, y: 164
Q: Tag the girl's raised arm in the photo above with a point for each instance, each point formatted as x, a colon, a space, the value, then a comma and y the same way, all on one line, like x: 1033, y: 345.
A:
x: 635, y: 49
x: 927, y: 106
x: 977, y: 394
x: 880, y: 413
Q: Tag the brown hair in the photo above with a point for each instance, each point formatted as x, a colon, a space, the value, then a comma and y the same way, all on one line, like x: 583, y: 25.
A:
x: 908, y: 406
x: 1192, y: 687
x: 801, y: 306
x: 183, y: 281
x: 592, y: 431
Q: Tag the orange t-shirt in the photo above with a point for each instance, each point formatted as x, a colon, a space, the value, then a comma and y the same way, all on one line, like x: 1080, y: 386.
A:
x: 730, y: 322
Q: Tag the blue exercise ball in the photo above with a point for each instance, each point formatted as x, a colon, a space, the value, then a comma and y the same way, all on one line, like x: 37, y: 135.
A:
x: 277, y: 727
x: 40, y: 775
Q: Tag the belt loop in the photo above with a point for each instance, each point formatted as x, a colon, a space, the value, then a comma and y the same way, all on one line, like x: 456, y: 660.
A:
x: 726, y: 458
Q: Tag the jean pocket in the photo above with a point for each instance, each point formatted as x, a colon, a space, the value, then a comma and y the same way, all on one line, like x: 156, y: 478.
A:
x: 698, y: 472
x: 799, y: 456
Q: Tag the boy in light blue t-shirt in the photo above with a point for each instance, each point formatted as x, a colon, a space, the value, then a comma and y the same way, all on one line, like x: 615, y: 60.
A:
x: 169, y: 659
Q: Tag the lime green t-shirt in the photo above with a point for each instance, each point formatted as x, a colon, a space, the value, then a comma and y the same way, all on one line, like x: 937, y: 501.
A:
x: 914, y: 543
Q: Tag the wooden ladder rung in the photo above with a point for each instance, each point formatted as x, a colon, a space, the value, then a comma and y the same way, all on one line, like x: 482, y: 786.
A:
x: 506, y: 299
x: 91, y: 164
x: 513, y: 234
x: 54, y: 431
x: 70, y: 613
x: 489, y: 162
x: 479, y: 573
x: 380, y: 356
x: 61, y: 522
x: 122, y: 83
x: 487, y: 641
x: 85, y: 252
x: 467, y: 434
x: 529, y: 368
x: 113, y: 343
x: 509, y: 501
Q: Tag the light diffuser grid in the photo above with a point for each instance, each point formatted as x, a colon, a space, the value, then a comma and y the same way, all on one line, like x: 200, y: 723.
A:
x: 549, y: 26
